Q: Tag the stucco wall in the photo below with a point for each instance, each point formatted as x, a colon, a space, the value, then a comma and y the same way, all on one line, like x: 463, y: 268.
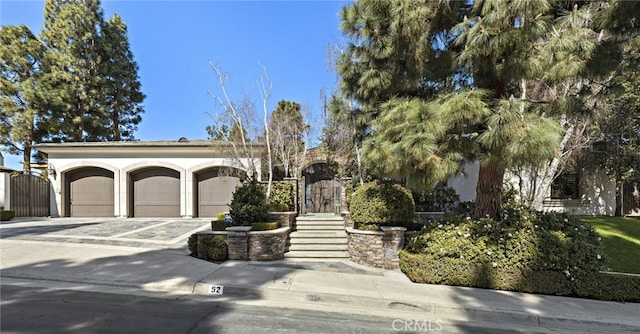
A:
x: 465, y: 183
x: 596, y: 189
x: 121, y: 167
x: 4, y: 190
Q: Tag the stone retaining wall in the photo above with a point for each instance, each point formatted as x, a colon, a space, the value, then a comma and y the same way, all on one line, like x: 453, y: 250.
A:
x: 244, y: 245
x: 377, y: 249
x: 268, y: 245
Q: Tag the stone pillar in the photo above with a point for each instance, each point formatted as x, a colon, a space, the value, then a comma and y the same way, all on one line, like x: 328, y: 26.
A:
x: 392, y: 242
x: 238, y: 242
x: 343, y: 194
x: 295, y: 194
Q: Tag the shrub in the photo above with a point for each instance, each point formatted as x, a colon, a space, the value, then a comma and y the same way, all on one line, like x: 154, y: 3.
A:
x: 439, y: 199
x: 381, y: 203
x: 551, y: 253
x: 248, y: 205
x: 7, y: 215
x: 282, y: 197
x: 192, y: 243
x: 264, y: 226
x: 211, y: 247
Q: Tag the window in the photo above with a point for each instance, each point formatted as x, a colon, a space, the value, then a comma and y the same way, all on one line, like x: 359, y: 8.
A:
x: 566, y: 186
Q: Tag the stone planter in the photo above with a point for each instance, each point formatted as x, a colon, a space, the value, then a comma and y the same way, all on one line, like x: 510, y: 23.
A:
x: 246, y: 245
x: 286, y: 219
x: 377, y: 249
x: 348, y: 223
x: 268, y: 245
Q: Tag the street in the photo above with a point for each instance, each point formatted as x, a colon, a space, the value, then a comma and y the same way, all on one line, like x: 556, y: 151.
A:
x: 39, y: 310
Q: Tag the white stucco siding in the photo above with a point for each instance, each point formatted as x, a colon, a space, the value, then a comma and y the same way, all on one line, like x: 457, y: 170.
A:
x: 597, y: 191
x: 4, y: 190
x: 465, y: 183
x: 597, y: 196
x: 123, y: 166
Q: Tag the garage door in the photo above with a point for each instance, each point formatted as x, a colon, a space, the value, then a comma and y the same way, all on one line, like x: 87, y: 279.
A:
x: 214, y: 192
x: 90, y: 193
x: 156, y: 193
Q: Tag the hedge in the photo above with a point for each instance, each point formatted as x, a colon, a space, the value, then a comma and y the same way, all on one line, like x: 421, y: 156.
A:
x: 211, y: 248
x: 7, y: 215
x: 422, y: 268
x: 381, y: 203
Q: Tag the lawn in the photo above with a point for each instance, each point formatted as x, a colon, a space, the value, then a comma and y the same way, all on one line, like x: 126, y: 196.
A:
x: 621, y: 238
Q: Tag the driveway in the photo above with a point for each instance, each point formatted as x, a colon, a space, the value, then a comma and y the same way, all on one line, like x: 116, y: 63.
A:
x: 151, y: 233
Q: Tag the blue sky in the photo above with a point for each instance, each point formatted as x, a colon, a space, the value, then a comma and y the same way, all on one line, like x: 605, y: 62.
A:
x: 173, y: 41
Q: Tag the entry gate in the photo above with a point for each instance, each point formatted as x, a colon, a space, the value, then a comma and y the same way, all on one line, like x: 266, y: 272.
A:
x: 30, y: 195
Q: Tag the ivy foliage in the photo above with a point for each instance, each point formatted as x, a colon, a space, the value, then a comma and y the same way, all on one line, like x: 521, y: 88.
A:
x: 281, y: 198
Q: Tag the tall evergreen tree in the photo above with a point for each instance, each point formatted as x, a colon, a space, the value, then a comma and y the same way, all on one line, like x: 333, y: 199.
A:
x: 73, y: 84
x: 20, y: 104
x: 288, y: 129
x: 123, y: 103
x: 447, y: 82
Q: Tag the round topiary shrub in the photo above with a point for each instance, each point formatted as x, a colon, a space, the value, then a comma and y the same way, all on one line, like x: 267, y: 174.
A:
x: 381, y: 203
x: 248, y: 205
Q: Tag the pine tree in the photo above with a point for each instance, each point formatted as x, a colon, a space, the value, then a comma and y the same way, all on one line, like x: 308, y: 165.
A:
x: 73, y: 84
x: 288, y: 130
x: 20, y: 104
x: 447, y: 82
x: 123, y: 102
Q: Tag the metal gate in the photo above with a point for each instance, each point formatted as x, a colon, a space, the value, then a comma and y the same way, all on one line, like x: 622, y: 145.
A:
x: 30, y: 195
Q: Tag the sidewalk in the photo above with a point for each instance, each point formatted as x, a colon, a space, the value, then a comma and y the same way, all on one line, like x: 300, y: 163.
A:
x: 340, y: 287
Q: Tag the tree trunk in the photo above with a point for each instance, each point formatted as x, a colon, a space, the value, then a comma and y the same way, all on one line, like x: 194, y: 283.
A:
x: 489, y: 191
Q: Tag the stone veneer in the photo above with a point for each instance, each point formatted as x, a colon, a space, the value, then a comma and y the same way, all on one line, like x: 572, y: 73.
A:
x: 244, y: 245
x: 286, y: 219
x: 376, y: 248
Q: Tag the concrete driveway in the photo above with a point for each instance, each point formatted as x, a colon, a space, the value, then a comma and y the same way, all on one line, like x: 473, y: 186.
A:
x: 151, y: 233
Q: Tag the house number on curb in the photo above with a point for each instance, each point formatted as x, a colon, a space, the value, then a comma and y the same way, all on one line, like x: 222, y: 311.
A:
x: 216, y: 289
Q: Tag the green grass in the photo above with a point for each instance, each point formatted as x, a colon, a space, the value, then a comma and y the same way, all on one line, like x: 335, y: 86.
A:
x: 621, y: 240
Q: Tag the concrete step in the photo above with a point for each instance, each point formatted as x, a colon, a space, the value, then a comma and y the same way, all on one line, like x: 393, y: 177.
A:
x: 318, y: 247
x: 307, y: 241
x: 318, y: 234
x: 320, y: 227
x: 318, y: 254
x: 319, y: 218
x: 320, y: 223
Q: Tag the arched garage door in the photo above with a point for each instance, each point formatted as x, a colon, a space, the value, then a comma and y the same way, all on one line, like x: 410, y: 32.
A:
x: 214, y: 192
x: 155, y: 193
x: 90, y: 193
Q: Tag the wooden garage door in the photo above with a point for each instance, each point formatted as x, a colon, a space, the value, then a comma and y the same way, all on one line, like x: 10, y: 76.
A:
x: 156, y: 193
x: 90, y: 193
x: 214, y: 192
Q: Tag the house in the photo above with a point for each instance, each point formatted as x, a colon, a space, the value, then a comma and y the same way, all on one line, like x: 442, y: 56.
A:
x: 584, y: 192
x: 142, y: 179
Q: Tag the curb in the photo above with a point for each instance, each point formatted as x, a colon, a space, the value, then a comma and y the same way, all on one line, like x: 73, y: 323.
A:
x: 389, y: 306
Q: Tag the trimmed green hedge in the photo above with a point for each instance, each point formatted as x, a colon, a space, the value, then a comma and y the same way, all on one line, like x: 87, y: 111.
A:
x: 7, y: 215
x: 421, y: 268
x: 381, y: 203
x: 211, y: 248
x: 264, y: 226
